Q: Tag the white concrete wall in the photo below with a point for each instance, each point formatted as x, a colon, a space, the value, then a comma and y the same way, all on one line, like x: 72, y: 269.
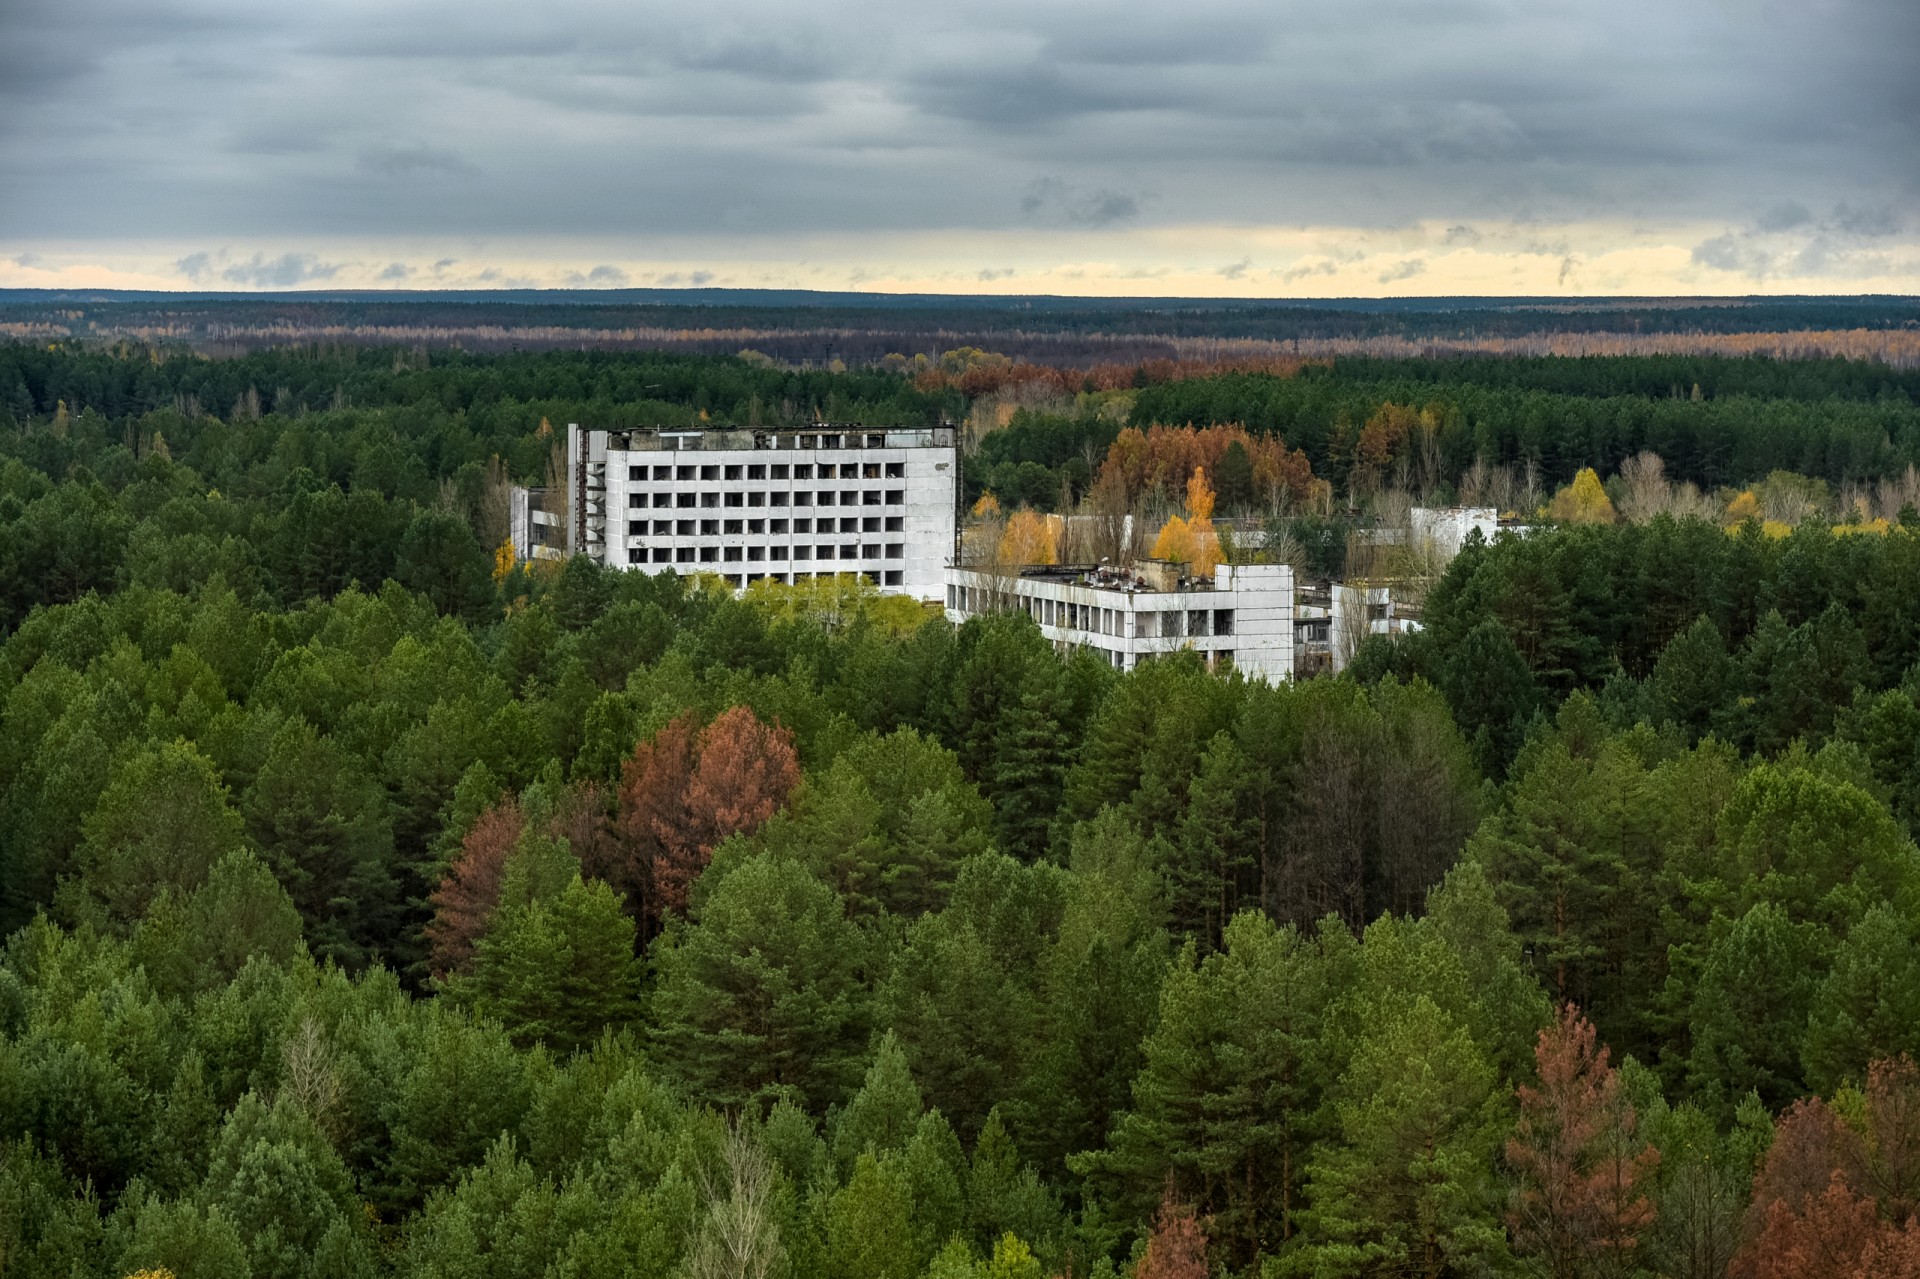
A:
x: 756, y: 537
x: 519, y: 524
x: 1263, y: 617
x: 1445, y: 528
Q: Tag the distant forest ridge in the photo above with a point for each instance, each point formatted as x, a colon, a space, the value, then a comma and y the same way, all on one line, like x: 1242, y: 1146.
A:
x: 817, y: 328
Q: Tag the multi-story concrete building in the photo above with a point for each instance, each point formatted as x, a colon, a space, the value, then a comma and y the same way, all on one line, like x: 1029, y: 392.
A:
x: 758, y: 503
x: 1243, y: 615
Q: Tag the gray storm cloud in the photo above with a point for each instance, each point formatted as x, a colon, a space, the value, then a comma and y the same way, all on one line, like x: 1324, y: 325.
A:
x: 223, y: 119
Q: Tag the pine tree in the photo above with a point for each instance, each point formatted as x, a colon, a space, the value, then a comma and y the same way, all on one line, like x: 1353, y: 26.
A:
x: 1581, y: 1205
x: 1887, y: 727
x: 1029, y: 763
x: 1012, y: 1259
x: 288, y: 1195
x: 1868, y: 1006
x: 162, y: 823
x: 476, y: 792
x: 1235, y: 477
x: 934, y: 1166
x: 1217, y: 850
x: 764, y: 996
x: 961, y: 1017
x: 868, y: 1225
x: 1823, y: 849
x: 558, y: 970
x: 198, y: 941
x: 1098, y: 988
x: 322, y: 824
x: 1492, y: 692
x: 181, y: 1238
x: 1690, y: 680
x: 888, y: 823
x: 991, y: 676
x: 1225, y: 1104
x: 1407, y: 1185
x: 882, y: 1116
x: 1750, y: 1007
x: 1004, y: 1194
x: 1569, y: 856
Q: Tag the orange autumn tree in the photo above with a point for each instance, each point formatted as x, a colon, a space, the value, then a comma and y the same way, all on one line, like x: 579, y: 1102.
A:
x: 1164, y: 458
x: 744, y: 772
x: 651, y: 813
x: 1384, y: 435
x: 683, y: 792
x: 466, y: 897
x: 1836, y: 1193
x: 1200, y: 497
x: 468, y: 894
x: 1177, y: 1248
x: 1583, y: 1168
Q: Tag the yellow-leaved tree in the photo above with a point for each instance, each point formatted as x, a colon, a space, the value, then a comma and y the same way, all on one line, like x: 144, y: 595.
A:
x: 1192, y: 541
x: 1030, y: 539
x: 1175, y: 541
x: 1584, y: 501
x: 503, y: 560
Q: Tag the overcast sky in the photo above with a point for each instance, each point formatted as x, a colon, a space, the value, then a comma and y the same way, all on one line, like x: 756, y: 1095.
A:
x: 1291, y: 147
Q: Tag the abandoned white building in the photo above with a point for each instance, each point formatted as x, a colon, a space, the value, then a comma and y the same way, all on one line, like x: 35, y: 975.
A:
x: 756, y: 503
x: 1242, y: 616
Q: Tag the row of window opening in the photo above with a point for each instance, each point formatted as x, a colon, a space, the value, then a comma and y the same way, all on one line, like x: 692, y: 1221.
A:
x: 886, y: 577
x: 759, y: 554
x: 722, y: 528
x: 773, y: 471
x: 826, y: 497
x: 1200, y: 623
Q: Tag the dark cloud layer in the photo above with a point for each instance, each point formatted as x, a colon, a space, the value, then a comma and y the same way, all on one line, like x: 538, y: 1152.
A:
x: 227, y: 120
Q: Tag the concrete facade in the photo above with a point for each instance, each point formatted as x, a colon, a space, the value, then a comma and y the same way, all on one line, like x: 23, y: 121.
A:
x: 537, y: 533
x: 1243, y: 616
x: 764, y: 503
x: 1444, y: 529
x: 1360, y: 610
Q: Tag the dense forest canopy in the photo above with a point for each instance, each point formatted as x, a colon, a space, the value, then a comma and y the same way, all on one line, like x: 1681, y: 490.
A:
x: 376, y: 906
x: 915, y: 320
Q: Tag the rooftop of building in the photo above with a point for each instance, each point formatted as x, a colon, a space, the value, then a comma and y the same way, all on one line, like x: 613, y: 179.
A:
x: 1142, y: 576
x: 819, y: 435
